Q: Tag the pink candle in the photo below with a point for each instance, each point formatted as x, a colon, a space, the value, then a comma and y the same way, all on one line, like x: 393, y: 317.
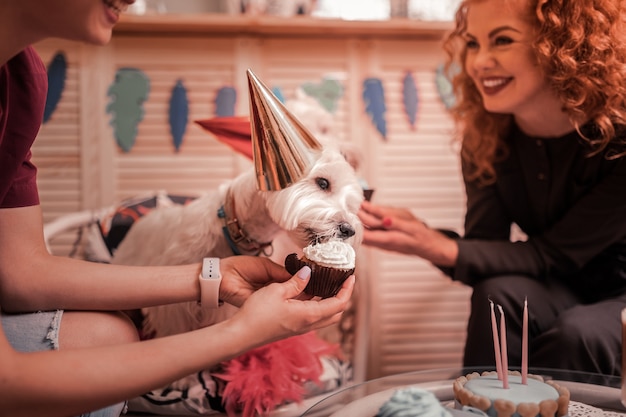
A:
x: 505, y: 362
x: 525, y: 344
x: 496, y: 343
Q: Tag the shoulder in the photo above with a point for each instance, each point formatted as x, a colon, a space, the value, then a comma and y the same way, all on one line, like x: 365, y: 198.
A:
x: 25, y: 72
x: 28, y: 60
x: 24, y: 79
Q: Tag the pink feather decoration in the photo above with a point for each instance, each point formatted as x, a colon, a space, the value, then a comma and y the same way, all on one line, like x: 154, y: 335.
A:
x: 263, y: 378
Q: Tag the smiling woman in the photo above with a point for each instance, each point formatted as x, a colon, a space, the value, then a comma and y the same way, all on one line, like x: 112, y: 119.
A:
x: 541, y: 112
x: 500, y: 57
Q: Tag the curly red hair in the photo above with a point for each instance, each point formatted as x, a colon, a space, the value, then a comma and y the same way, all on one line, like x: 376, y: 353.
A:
x: 580, y: 45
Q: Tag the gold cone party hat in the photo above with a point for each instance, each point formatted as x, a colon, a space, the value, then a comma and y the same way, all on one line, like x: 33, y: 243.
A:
x: 283, y: 149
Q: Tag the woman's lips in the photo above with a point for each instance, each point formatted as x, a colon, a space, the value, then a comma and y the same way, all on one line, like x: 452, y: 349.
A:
x: 493, y: 85
x: 116, y: 7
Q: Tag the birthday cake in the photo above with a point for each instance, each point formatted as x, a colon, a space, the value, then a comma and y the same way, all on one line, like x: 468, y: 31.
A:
x: 486, y: 393
x: 502, y: 393
x: 510, y: 394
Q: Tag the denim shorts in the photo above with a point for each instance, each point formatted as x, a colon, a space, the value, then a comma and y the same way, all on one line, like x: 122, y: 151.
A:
x: 40, y: 331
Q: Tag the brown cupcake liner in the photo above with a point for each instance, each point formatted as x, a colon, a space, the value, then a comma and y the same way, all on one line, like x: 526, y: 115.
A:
x: 325, y: 282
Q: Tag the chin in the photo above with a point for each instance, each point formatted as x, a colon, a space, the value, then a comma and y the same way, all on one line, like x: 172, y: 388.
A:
x: 100, y: 38
x: 497, y: 109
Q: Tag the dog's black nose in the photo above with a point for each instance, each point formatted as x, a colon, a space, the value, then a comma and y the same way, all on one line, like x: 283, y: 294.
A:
x: 346, y: 230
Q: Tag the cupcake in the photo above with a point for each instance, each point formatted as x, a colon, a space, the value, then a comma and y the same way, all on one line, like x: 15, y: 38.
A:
x: 331, y: 264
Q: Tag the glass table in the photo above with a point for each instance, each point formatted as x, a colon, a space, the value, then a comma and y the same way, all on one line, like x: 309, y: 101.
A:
x: 591, y: 394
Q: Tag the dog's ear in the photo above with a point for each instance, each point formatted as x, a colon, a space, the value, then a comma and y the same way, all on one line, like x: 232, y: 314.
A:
x: 311, y: 114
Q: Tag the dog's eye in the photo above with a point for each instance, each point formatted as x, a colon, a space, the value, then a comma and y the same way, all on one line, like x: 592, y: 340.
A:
x: 323, y: 183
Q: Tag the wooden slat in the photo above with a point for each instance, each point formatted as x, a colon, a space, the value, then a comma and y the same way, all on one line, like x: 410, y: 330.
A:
x: 259, y: 25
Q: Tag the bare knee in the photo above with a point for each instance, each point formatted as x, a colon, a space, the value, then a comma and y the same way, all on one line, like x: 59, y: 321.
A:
x: 90, y: 328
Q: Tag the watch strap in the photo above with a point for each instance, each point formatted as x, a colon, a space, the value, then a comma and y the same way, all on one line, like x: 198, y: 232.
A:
x: 210, y: 279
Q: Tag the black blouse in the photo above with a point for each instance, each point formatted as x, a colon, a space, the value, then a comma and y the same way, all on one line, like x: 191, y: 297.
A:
x: 571, y: 206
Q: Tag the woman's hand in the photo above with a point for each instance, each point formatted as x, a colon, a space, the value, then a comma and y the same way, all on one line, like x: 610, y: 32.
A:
x: 243, y: 275
x: 379, y: 217
x: 398, y: 230
x: 276, y: 310
x: 392, y: 228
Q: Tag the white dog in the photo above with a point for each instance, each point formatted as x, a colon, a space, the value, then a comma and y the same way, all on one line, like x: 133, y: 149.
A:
x: 320, y: 206
x: 238, y: 218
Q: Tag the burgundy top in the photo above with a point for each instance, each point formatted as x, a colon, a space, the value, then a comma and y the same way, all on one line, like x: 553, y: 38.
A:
x: 23, y: 90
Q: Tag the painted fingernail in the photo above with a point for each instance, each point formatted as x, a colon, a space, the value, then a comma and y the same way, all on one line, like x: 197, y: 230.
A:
x: 387, y: 222
x: 304, y: 273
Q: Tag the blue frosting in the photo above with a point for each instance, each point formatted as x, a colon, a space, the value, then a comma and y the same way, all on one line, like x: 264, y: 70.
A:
x: 413, y: 402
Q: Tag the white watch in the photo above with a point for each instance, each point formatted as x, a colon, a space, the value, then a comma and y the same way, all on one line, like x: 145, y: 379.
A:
x: 210, y: 279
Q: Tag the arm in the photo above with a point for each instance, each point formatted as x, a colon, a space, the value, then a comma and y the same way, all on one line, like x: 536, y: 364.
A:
x: 106, y: 375
x: 31, y: 279
x: 398, y: 230
x: 585, y: 229
x: 593, y: 223
x: 486, y: 225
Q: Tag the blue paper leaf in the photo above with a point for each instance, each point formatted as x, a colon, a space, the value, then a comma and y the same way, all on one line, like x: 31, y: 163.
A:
x: 128, y: 93
x: 179, y: 114
x: 225, y: 102
x: 57, y: 71
x: 279, y: 94
x: 374, y: 98
x: 409, y: 95
x: 327, y: 93
x: 444, y: 85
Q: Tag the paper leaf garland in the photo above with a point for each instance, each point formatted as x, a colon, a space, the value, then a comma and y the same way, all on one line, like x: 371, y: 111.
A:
x: 374, y: 98
x: 444, y: 86
x: 57, y: 71
x: 225, y: 102
x: 128, y: 93
x: 327, y: 93
x: 409, y: 96
x: 179, y: 114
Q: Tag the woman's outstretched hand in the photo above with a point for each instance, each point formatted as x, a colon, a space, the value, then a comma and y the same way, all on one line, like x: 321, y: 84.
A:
x: 398, y: 230
x: 243, y: 275
x: 391, y: 228
x: 277, y: 311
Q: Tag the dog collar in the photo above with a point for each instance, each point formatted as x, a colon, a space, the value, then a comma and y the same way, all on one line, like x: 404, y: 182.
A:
x: 235, y: 234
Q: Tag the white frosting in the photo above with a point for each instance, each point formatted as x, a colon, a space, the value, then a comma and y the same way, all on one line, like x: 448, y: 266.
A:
x: 334, y: 254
